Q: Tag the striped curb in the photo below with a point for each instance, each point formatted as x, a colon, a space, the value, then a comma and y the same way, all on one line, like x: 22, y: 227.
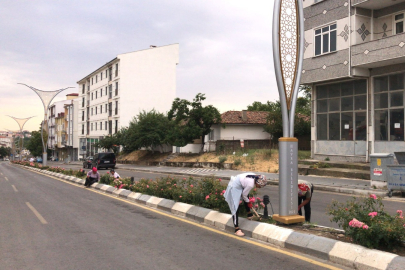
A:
x: 346, y: 254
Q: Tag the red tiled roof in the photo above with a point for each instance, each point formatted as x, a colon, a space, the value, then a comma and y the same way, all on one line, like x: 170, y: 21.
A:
x: 252, y: 117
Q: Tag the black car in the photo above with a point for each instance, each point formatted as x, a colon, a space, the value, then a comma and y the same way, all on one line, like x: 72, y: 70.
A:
x: 87, y: 162
x: 104, y: 160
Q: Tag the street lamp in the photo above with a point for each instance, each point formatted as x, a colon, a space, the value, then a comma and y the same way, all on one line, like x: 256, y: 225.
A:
x: 46, y: 98
x: 288, y: 51
x: 21, y: 122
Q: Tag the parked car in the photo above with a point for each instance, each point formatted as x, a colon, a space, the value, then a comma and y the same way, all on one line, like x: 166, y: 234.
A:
x: 87, y: 162
x: 104, y: 160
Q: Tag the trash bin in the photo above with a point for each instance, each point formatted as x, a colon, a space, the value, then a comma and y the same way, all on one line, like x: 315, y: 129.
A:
x: 379, y: 173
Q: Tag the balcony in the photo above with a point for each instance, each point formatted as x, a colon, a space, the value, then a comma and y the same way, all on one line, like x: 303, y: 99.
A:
x: 380, y: 52
x: 375, y: 4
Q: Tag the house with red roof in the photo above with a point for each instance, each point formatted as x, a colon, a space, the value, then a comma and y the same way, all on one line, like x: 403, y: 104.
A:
x: 235, y: 126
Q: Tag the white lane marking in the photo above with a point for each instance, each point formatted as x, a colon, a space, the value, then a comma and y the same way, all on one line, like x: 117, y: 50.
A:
x: 43, y: 221
x: 15, y: 189
x: 1, y: 173
x: 6, y: 178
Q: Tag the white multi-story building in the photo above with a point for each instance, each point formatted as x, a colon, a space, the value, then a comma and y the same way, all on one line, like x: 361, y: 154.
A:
x: 70, y: 139
x: 112, y: 95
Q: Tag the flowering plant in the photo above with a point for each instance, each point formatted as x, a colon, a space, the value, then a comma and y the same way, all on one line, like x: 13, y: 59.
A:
x: 367, y: 223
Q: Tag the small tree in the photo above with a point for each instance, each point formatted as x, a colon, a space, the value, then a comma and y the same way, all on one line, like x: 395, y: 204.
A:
x: 34, y: 145
x: 110, y: 142
x: 191, y: 120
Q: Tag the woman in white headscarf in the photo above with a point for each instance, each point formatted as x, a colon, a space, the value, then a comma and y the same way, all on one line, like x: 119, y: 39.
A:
x: 238, y: 186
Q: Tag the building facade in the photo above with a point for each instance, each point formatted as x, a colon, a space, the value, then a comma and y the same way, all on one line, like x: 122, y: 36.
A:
x: 112, y: 95
x: 354, y: 61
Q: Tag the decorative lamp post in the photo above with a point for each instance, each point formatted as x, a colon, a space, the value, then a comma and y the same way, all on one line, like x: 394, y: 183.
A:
x: 46, y: 98
x: 288, y: 50
x: 21, y: 122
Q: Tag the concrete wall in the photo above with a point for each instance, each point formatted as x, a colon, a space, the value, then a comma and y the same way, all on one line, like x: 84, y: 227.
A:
x: 148, y: 81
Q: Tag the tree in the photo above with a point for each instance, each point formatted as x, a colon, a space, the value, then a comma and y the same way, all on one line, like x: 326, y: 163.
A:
x: 191, y: 120
x: 148, y: 129
x: 110, y: 142
x: 4, y: 151
x: 34, y: 145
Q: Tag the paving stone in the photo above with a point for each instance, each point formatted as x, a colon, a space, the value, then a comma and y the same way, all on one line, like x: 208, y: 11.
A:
x: 320, y: 247
x: 143, y: 198
x: 166, y: 205
x: 105, y: 187
x: 278, y: 236
x: 374, y: 259
x: 298, y: 241
x: 99, y: 186
x: 247, y: 226
x: 125, y: 193
x: 398, y: 263
x: 262, y: 231
x: 110, y: 190
x: 201, y: 213
x: 117, y: 192
x: 345, y: 253
x: 181, y: 209
x: 154, y: 201
x: 134, y: 196
x: 217, y: 219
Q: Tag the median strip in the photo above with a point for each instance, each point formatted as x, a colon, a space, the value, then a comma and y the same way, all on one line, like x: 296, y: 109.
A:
x: 43, y: 221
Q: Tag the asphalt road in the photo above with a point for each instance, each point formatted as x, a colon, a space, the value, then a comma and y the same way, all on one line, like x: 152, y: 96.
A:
x: 319, y: 203
x: 50, y: 224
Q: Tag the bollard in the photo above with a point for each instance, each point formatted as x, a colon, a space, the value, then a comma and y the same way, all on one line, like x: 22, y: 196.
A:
x: 132, y: 180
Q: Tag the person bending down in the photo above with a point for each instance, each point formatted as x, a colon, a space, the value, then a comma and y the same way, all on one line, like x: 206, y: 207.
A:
x: 238, y: 186
x: 305, y: 190
x: 92, y: 177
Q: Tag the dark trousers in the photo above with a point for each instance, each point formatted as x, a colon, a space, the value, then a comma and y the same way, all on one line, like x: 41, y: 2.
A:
x: 307, y: 207
x: 235, y: 217
x: 90, y: 181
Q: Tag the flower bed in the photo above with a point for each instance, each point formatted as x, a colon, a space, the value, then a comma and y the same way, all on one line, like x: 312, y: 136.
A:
x: 368, y: 224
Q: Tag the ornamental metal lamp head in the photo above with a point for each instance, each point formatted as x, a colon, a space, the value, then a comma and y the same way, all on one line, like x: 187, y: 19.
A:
x: 288, y: 51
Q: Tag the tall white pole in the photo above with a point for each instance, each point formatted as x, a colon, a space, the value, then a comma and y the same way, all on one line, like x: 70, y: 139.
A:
x: 288, y: 50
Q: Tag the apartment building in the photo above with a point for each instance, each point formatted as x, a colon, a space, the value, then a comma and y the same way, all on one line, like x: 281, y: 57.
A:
x: 71, y: 139
x: 116, y: 92
x: 355, y: 62
x: 57, y: 127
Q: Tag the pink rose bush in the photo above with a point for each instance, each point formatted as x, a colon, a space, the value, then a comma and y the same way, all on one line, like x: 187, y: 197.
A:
x: 367, y: 223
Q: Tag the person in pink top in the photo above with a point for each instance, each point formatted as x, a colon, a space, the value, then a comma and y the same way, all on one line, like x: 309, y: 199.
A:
x: 92, y: 177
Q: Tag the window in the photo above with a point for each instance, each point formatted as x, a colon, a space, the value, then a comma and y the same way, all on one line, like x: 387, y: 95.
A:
x: 109, y: 127
x: 389, y: 108
x: 91, y: 81
x: 325, y: 39
x: 91, y: 126
x: 116, y: 70
x: 101, y: 76
x: 82, y: 115
x: 101, y: 125
x: 110, y: 73
x: 106, y: 108
x: 110, y: 91
x: 96, y: 110
x: 105, y: 125
x: 91, y: 111
x: 82, y: 102
x: 116, y: 107
x: 106, y: 73
x: 399, y: 23
x: 116, y: 126
x: 96, y: 78
x: 211, y: 135
x: 101, y: 108
x: 83, y: 88
x: 96, y: 94
x: 91, y: 96
x: 110, y: 109
x: 95, y: 124
x: 341, y: 111
x: 116, y: 88
x: 106, y: 90
x: 101, y: 92
x: 82, y: 129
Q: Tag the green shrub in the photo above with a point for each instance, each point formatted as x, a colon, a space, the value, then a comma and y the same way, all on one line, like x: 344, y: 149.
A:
x: 222, y: 159
x: 237, y: 162
x: 367, y: 223
x: 106, y: 179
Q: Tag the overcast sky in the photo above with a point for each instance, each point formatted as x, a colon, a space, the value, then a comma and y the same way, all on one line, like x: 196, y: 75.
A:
x: 225, y: 48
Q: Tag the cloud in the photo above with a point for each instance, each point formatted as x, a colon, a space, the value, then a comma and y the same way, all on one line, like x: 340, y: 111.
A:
x: 225, y: 47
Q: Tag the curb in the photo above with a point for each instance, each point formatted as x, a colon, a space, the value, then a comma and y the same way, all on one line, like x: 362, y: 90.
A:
x: 274, y: 182
x: 346, y: 254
